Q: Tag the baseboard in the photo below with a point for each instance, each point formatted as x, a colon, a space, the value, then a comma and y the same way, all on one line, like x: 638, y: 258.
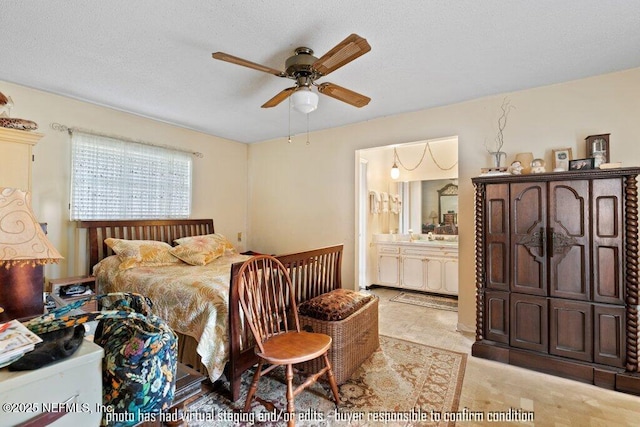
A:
x: 465, y: 329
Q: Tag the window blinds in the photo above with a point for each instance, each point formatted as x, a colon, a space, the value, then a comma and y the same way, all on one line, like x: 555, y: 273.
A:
x: 115, y: 179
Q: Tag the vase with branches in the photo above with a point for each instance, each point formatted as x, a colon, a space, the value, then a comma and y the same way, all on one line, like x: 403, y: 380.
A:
x: 496, y: 149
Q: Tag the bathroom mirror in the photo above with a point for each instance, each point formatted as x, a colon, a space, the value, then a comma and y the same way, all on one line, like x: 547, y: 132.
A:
x: 448, y: 204
x: 431, y: 204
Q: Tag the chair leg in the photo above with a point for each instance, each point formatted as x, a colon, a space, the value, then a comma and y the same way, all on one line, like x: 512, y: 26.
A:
x: 253, y: 387
x: 332, y: 380
x: 290, y: 405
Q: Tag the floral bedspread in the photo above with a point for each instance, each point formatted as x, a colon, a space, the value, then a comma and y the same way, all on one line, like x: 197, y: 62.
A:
x: 193, y: 300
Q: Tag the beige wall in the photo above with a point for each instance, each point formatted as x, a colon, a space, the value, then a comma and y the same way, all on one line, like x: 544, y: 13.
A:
x: 219, y: 179
x: 298, y: 196
x: 302, y: 196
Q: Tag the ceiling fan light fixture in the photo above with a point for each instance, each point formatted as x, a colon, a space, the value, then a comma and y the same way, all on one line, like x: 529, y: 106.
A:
x: 304, y: 100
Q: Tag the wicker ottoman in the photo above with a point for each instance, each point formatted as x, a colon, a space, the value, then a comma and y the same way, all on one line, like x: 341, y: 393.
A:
x: 355, y: 338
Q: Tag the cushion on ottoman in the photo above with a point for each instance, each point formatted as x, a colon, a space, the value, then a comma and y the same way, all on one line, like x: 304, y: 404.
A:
x: 353, y: 339
x: 334, y: 305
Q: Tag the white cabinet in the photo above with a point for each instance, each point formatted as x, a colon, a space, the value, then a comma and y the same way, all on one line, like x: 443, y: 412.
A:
x: 75, y: 381
x: 435, y: 275
x: 15, y: 157
x: 388, y: 265
x: 430, y: 267
x: 414, y: 271
x: 450, y: 270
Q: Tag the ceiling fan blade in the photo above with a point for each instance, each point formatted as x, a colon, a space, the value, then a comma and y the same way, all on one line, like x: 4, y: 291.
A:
x: 281, y: 96
x: 344, y: 52
x: 343, y: 94
x: 239, y: 61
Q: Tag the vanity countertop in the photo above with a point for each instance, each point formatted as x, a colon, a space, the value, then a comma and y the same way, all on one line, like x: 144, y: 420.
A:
x: 404, y: 240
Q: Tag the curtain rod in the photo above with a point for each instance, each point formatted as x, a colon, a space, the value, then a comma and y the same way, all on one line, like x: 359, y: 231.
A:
x: 64, y: 128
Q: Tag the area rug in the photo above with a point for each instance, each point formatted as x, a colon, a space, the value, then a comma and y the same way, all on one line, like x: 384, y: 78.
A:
x: 402, y: 383
x: 424, y: 300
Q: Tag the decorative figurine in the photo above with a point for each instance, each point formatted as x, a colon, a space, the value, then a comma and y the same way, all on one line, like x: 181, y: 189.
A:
x: 516, y: 168
x: 537, y: 166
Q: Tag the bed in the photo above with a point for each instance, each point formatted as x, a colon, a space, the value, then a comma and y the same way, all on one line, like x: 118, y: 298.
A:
x: 201, y: 303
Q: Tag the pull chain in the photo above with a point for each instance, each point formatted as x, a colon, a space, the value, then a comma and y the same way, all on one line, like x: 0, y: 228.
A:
x: 289, y: 140
x: 307, y: 128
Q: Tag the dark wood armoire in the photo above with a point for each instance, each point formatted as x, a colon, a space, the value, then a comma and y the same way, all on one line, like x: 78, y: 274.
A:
x: 557, y: 274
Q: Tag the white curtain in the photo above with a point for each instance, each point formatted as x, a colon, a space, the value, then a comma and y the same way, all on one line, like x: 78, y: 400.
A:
x: 115, y: 179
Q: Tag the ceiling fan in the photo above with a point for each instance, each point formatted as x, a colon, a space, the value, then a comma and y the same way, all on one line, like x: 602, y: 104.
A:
x: 305, y: 69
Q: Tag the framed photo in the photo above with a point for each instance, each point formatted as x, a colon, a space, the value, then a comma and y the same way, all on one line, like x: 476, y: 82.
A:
x: 581, y: 164
x: 561, y: 157
x: 598, y: 148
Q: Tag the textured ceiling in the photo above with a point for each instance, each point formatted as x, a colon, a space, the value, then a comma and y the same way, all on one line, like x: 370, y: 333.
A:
x: 153, y: 57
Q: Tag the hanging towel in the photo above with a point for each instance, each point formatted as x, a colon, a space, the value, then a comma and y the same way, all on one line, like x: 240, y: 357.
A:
x: 374, y: 202
x: 395, y: 204
x: 385, y: 202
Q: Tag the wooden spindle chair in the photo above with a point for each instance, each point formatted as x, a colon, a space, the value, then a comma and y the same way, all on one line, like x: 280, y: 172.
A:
x: 268, y: 302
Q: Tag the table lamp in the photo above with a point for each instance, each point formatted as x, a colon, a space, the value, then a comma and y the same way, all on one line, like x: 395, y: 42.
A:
x: 433, y: 215
x: 24, y: 248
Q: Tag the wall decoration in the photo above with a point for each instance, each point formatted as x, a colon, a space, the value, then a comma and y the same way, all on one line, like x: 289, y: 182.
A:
x: 581, y: 164
x: 561, y: 157
x: 598, y: 148
x: 495, y: 150
x: 6, y: 103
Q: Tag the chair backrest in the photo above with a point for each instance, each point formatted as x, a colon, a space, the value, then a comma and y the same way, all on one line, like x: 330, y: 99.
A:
x: 267, y: 298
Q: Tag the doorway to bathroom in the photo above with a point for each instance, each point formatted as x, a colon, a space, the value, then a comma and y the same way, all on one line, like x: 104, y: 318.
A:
x: 393, y: 206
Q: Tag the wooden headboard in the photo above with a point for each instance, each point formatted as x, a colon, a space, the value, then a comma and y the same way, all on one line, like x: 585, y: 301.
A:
x: 164, y: 230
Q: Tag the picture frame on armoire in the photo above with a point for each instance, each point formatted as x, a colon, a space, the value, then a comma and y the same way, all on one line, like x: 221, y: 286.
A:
x: 598, y: 148
x: 581, y: 164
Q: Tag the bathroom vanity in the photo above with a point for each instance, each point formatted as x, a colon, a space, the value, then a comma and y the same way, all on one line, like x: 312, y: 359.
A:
x: 420, y: 265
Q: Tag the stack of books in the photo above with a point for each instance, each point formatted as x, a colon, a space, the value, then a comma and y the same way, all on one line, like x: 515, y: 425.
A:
x: 15, y: 341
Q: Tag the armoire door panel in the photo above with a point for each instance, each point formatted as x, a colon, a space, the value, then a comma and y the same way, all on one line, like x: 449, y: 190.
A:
x: 606, y: 208
x: 569, y: 274
x: 568, y: 207
x: 568, y: 239
x: 607, y: 274
x: 571, y: 329
x: 528, y: 225
x: 608, y: 239
x: 528, y: 204
x: 529, y: 322
x: 609, y: 339
x: 497, y: 272
x: 497, y: 320
x: 528, y: 276
x: 497, y: 236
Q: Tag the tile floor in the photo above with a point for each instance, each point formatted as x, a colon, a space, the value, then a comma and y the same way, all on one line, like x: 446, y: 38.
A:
x: 491, y: 386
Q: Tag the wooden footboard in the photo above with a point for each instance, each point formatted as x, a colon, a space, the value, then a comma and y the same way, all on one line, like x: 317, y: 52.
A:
x: 312, y: 273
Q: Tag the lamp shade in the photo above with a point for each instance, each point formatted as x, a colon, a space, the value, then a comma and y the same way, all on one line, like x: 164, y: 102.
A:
x: 304, y: 100
x: 22, y: 240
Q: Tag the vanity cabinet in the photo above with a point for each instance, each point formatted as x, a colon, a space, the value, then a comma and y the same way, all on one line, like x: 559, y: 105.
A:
x: 389, y: 265
x: 426, y: 267
x: 556, y: 274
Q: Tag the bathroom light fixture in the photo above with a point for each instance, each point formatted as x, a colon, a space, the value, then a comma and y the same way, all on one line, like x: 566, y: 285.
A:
x: 395, y: 171
x: 304, y: 100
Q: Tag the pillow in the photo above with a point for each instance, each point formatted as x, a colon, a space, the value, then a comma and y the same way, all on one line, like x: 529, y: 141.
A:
x: 141, y: 253
x: 334, y: 305
x: 201, y: 250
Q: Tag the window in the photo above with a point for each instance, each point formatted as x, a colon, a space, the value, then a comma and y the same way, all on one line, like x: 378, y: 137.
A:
x: 115, y: 179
